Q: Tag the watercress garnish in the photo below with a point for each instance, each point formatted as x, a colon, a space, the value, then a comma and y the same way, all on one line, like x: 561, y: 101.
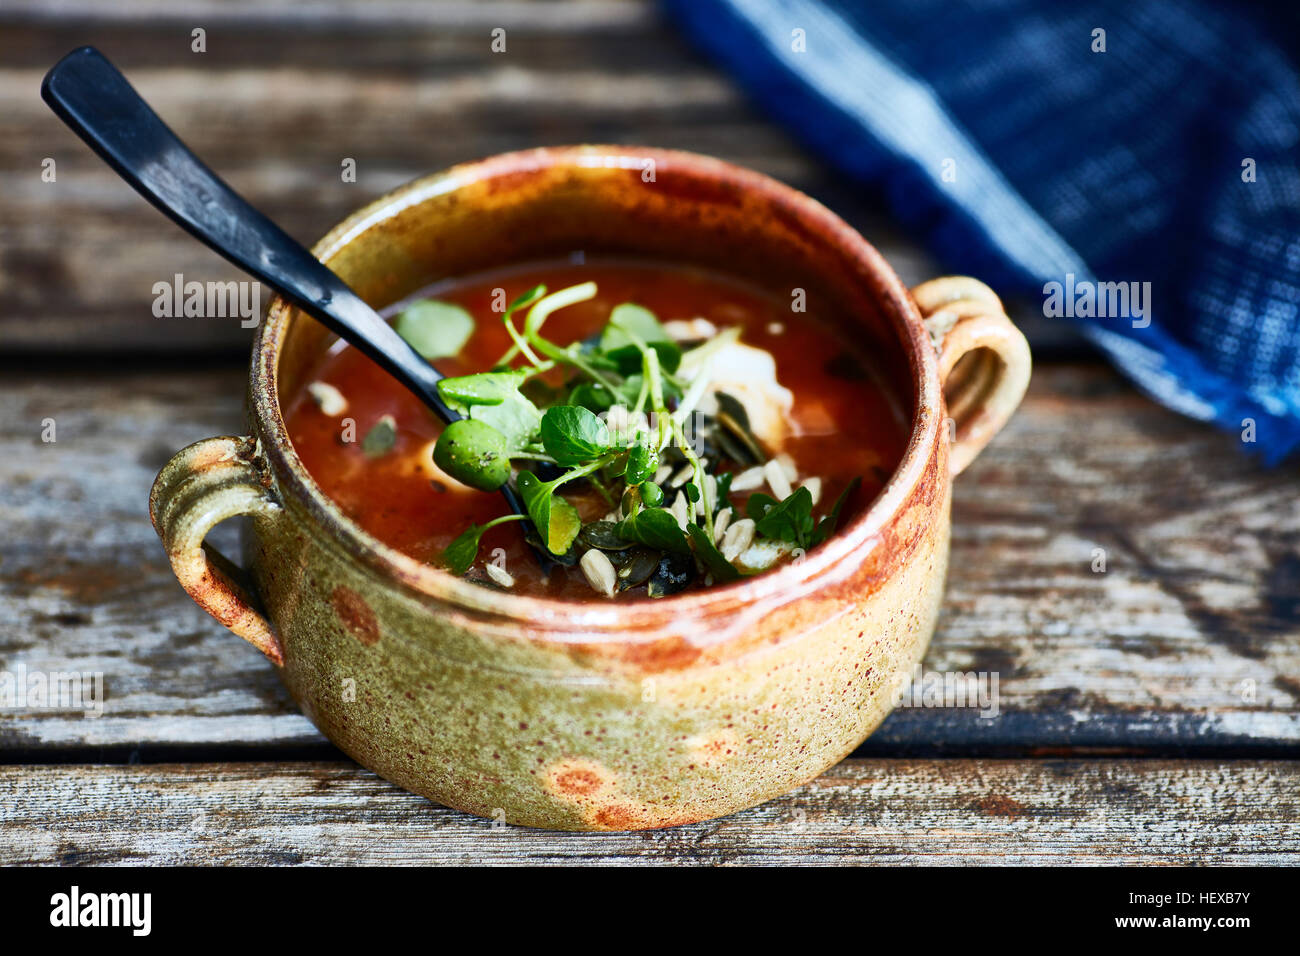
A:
x: 572, y: 435
x: 655, y: 528
x: 493, y: 398
x: 788, y: 520
x: 826, y: 527
x: 460, y: 555
x: 642, y: 462
x: 475, y: 453
x: 547, y: 409
x: 709, y: 555
x: 630, y: 325
x: 556, y: 520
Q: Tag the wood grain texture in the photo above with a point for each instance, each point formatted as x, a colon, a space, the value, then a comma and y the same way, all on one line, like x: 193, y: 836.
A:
x: 1189, y: 642
x: 937, y: 812
x: 286, y: 91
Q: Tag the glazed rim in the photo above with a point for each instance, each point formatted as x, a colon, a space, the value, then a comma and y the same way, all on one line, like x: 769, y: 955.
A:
x: 582, y: 618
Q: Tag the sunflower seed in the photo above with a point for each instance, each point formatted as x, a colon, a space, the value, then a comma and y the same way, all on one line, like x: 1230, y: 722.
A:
x: 599, y: 572
x: 788, y: 466
x: 682, y: 476
x: 720, y: 523
x: 500, y: 575
x: 738, y: 537
x: 749, y: 479
x: 663, y: 473
x: 776, y: 480
x: 328, y: 398
x: 679, y: 509
x: 814, y: 486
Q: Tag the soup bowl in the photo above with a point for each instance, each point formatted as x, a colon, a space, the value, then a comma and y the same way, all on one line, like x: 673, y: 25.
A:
x: 599, y: 715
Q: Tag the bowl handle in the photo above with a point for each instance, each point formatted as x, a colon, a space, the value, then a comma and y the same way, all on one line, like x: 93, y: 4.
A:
x: 984, y: 360
x: 203, y: 485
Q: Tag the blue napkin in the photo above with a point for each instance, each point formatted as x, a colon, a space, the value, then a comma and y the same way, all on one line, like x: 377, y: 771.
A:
x: 1030, y: 150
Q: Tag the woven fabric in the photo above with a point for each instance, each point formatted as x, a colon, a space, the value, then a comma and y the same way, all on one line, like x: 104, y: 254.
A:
x: 1022, y: 151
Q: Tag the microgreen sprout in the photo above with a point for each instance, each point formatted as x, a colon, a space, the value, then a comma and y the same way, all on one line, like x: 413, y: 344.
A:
x: 617, y: 418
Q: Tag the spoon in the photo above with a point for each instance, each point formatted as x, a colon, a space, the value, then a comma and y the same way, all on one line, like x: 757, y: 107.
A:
x: 88, y: 93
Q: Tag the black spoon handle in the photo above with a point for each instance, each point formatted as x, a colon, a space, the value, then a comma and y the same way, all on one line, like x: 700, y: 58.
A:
x: 96, y: 101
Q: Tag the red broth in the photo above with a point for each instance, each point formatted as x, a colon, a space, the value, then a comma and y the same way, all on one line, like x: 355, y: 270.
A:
x: 846, y: 423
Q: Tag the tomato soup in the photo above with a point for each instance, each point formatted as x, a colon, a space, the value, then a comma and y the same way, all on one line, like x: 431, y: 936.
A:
x: 841, y: 425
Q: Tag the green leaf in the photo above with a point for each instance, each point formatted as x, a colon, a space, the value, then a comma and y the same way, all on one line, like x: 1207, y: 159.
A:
x: 557, y: 521
x: 474, y: 453
x: 655, y: 528
x: 381, y: 438
x: 543, y: 307
x: 724, y: 489
x: 461, y: 553
x: 572, y: 435
x: 494, y: 399
x: 826, y: 527
x: 591, y: 396
x: 789, y: 520
x: 642, y: 461
x: 435, y: 329
x: 483, y: 388
x: 758, y: 505
x: 712, y: 559
x: 526, y: 299
x: 629, y: 322
x: 651, y: 493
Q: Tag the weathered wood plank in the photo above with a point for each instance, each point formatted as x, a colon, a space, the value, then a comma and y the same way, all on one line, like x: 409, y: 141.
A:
x: 285, y: 92
x: 1186, y: 643
x: 937, y: 812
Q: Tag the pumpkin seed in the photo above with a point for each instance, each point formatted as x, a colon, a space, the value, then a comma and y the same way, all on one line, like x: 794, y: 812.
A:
x: 733, y: 417
x: 640, y: 564
x: 674, y: 573
x: 731, y: 448
x: 602, y: 535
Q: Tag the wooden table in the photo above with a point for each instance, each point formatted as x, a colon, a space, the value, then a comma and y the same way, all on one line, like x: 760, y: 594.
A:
x: 1149, y: 712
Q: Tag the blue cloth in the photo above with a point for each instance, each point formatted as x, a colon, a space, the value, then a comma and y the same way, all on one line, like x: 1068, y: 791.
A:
x: 1116, y: 166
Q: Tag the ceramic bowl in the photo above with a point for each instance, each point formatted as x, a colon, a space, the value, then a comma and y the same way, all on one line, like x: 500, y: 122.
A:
x: 597, y: 716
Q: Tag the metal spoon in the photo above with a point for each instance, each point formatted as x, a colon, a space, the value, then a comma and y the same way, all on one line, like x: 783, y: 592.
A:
x: 96, y: 101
